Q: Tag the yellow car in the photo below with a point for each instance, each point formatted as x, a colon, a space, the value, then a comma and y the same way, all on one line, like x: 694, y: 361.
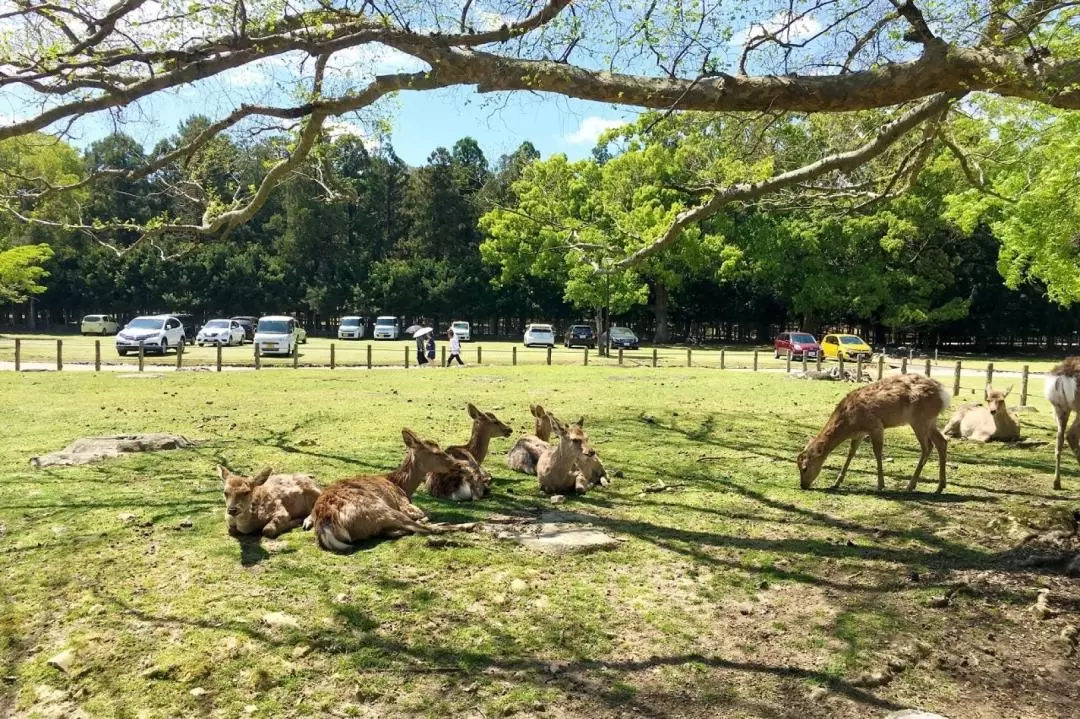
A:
x: 847, y: 347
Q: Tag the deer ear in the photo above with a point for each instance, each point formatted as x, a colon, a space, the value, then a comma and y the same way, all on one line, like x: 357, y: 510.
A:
x: 262, y: 476
x: 1009, y: 390
x: 411, y: 440
x: 224, y: 473
x: 986, y: 393
x: 473, y: 411
x: 556, y: 424
x: 536, y: 410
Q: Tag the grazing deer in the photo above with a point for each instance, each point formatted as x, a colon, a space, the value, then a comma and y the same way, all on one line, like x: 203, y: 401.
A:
x: 1060, y: 391
x: 523, y: 455
x: 359, y: 508
x: 557, y: 468
x: 868, y: 411
x: 984, y: 424
x: 268, y: 503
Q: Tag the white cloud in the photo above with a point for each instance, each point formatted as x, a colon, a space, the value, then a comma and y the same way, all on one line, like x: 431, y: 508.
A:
x: 591, y: 128
x: 487, y: 20
x: 785, y: 26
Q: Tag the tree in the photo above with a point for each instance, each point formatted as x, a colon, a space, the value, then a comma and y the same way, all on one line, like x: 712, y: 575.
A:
x: 902, y: 71
x: 21, y: 270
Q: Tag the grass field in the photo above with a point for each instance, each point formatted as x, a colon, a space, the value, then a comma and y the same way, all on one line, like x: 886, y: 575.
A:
x: 734, y: 594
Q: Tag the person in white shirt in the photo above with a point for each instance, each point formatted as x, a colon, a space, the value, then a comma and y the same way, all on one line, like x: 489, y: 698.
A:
x: 455, y: 348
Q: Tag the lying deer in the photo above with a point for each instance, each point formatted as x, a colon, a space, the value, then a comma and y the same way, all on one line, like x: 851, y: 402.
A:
x: 469, y: 481
x: 868, y: 411
x: 984, y: 424
x: 1060, y: 391
x: 268, y: 503
x: 525, y: 453
x: 557, y: 469
x: 359, y: 508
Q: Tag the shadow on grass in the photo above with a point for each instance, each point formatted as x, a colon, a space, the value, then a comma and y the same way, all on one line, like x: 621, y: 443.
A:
x: 252, y: 551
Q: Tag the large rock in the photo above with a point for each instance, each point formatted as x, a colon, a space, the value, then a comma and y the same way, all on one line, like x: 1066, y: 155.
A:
x: 92, y: 449
x: 560, y: 539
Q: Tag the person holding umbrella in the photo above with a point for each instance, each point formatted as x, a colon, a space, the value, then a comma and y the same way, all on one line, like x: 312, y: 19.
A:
x: 419, y: 336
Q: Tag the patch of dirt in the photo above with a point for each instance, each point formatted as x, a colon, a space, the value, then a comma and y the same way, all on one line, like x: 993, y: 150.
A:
x: 93, y: 449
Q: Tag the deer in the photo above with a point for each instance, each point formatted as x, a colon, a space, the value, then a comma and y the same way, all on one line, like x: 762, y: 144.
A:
x: 469, y: 481
x: 270, y: 504
x: 557, y: 468
x: 1060, y: 392
x: 984, y: 424
x: 362, y: 507
x: 523, y: 455
x: 867, y: 412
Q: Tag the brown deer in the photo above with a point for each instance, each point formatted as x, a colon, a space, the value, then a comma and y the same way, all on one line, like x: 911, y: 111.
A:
x: 485, y: 426
x: 557, y: 468
x: 868, y: 411
x: 984, y: 424
x: 1060, y: 391
x: 268, y: 503
x: 523, y: 455
x: 469, y: 480
x: 359, y: 508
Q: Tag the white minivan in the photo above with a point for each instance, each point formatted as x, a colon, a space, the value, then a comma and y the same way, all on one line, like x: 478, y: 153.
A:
x: 386, y: 328
x: 351, y: 328
x: 276, y: 335
x: 98, y: 325
x: 461, y: 330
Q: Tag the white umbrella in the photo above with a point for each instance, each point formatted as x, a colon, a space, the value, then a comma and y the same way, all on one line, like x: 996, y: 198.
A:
x: 422, y: 332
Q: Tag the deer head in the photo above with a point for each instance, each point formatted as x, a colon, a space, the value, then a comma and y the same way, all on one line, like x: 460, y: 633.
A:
x: 238, y: 491
x: 810, y: 461
x: 572, y: 438
x: 995, y: 399
x: 488, y: 422
x: 427, y: 455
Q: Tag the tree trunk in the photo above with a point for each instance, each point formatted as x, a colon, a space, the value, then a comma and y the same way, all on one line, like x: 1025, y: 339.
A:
x: 660, y: 313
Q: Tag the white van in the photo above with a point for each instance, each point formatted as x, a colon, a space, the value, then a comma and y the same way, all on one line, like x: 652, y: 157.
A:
x: 386, y: 328
x: 461, y: 330
x: 99, y: 325
x: 351, y: 328
x: 276, y: 335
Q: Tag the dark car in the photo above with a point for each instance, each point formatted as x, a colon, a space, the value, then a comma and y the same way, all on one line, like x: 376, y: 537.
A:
x: 190, y: 329
x: 797, y: 343
x: 623, y: 338
x: 580, y: 336
x: 248, y: 323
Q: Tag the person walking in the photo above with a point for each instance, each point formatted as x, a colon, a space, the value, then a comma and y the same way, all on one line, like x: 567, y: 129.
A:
x: 431, y: 348
x: 421, y: 359
x: 455, y: 348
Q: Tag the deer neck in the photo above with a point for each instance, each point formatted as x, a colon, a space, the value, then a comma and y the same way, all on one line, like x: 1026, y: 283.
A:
x: 565, y: 456
x: 479, y: 441
x: 407, y: 476
x: 835, y: 432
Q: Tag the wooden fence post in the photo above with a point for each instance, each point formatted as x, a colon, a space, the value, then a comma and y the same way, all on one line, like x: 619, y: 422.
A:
x: 903, y: 365
x: 142, y: 355
x: 840, y: 359
x: 549, y: 356
x: 296, y: 356
x: 218, y: 361
x: 369, y: 355
x: 804, y: 361
x: 258, y: 357
x: 723, y: 360
x: 927, y: 366
x: 956, y: 380
x: 819, y: 361
x: 1023, y: 387
x: 97, y: 355
x: 586, y: 356
x: 59, y: 355
x: 180, y: 355
x: 755, y: 360
x: 479, y: 354
x: 443, y: 356
x: 407, y: 350
x: 689, y: 357
x: 513, y: 354
x: 787, y: 366
x: 18, y: 354
x: 620, y: 355
x: 333, y: 357
x: 858, y: 368
x: 990, y: 373
x: 654, y: 357
x: 880, y: 366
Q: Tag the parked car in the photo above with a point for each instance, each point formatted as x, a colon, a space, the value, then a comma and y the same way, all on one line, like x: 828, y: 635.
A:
x: 99, y: 325
x: 462, y: 330
x: 248, y: 323
x: 301, y: 334
x: 798, y: 343
x: 220, y: 332
x: 623, y: 338
x: 846, y: 347
x: 386, y: 328
x: 190, y: 328
x: 276, y: 335
x: 580, y: 336
x: 351, y: 328
x: 539, y: 336
x: 156, y: 333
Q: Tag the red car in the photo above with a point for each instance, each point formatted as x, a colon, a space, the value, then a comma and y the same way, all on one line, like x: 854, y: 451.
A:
x: 799, y: 343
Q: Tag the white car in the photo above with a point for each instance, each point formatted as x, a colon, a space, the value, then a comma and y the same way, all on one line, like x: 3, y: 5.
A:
x: 351, y: 328
x: 462, y: 330
x: 220, y: 332
x: 539, y: 336
x: 386, y: 328
x: 276, y: 335
x: 99, y: 325
x: 156, y: 333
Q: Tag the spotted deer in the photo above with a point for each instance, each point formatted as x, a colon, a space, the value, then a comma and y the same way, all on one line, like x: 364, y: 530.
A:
x: 990, y: 423
x: 469, y: 481
x: 267, y: 503
x: 1060, y: 391
x: 867, y: 412
x: 557, y: 468
x: 363, y: 507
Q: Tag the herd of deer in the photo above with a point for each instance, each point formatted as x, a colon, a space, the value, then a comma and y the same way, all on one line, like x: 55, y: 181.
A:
x: 362, y: 507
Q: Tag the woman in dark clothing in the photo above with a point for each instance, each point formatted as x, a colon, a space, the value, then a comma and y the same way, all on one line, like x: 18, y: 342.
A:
x: 431, y: 347
x: 421, y: 360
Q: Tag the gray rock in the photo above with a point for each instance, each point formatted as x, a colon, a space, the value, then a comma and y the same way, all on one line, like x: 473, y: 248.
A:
x: 63, y: 660
x: 557, y: 499
x: 556, y: 539
x: 913, y: 714
x: 92, y: 449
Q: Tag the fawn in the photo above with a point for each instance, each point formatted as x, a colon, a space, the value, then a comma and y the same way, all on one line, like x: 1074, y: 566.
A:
x: 984, y: 424
x: 1060, y: 391
x: 868, y: 411
x: 268, y: 503
x: 359, y: 508
x: 469, y: 480
x: 557, y: 468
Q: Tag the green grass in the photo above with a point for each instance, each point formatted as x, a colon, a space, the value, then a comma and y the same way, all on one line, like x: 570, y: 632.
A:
x: 440, y: 628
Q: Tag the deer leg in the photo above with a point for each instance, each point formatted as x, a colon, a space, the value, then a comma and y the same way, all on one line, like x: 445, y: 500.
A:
x: 1062, y: 415
x: 851, y: 454
x: 280, y: 523
x: 1073, y: 436
x: 877, y: 441
x: 922, y: 433
x: 942, y: 444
